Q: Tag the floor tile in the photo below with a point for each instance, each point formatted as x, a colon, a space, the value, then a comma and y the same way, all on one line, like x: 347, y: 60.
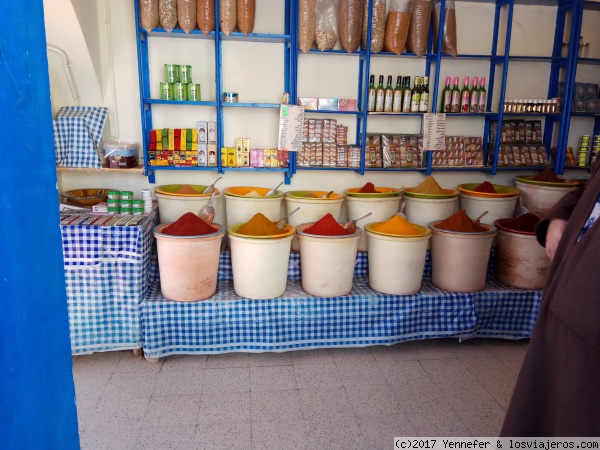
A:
x: 439, y: 424
x: 434, y: 348
x: 447, y: 371
x: 226, y: 360
x: 184, y: 362
x: 325, y: 403
x: 272, y: 378
x: 318, y: 375
x: 268, y: 359
x: 483, y: 421
x: 172, y: 411
x: 130, y: 384
x: 236, y: 379
x: 393, y: 353
x: 118, y: 412
x: 398, y: 373
x: 99, y: 362
x: 224, y: 436
x: 90, y: 386
x: 372, y: 401
x: 420, y: 396
x: 111, y: 438
x: 279, y: 434
x: 319, y: 355
x: 361, y: 374
x: 275, y: 405
x: 472, y: 348
x: 467, y: 396
x: 334, y: 433
x: 166, y: 438
x: 379, y: 432
x: 353, y: 355
x: 224, y: 407
x: 179, y: 382
x: 131, y: 363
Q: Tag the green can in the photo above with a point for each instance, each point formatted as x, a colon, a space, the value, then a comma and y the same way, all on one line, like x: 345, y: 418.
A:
x: 185, y: 74
x: 172, y: 73
x: 166, y: 91
x: 136, y: 203
x: 114, y: 195
x: 194, y: 92
x: 113, y: 210
x: 127, y: 195
x: 137, y: 211
x: 180, y: 91
x: 125, y: 210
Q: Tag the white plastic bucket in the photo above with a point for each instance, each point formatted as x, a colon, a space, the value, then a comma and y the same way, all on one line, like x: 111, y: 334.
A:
x: 521, y: 261
x: 381, y: 209
x: 311, y: 210
x: 259, y: 263
x: 396, y: 263
x: 422, y: 211
x: 459, y: 260
x: 540, y: 199
x: 172, y: 207
x: 327, y: 262
x: 240, y: 209
x: 188, y: 265
x: 498, y: 208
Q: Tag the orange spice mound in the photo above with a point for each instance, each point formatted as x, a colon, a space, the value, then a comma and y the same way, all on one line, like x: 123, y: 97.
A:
x: 548, y: 175
x: 397, y: 225
x: 259, y: 225
x: 460, y: 222
x: 368, y: 188
x: 186, y: 189
x: 429, y: 186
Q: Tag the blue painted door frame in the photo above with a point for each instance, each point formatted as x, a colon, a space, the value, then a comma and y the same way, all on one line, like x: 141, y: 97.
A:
x: 37, y: 395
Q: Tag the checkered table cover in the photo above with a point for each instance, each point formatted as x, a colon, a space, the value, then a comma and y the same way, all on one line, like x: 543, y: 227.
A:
x: 107, y: 273
x: 228, y: 323
x: 77, y: 134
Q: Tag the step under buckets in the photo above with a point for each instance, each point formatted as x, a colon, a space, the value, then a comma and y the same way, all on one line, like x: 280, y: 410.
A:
x: 243, y: 202
x: 188, y: 265
x: 327, y: 262
x: 540, y: 196
x: 396, y: 262
x: 459, y: 260
x: 172, y: 205
x: 382, y: 205
x: 260, y: 263
x: 312, y: 208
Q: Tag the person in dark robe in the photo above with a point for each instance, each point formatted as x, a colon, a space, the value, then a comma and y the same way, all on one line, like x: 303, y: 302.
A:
x: 558, y: 388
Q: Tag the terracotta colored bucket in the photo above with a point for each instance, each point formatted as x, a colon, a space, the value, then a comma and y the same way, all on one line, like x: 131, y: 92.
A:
x: 188, y: 265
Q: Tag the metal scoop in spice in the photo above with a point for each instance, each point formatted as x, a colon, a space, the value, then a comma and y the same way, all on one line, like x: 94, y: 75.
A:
x: 271, y: 192
x: 208, y: 212
x: 351, y: 224
x: 210, y: 189
x: 281, y: 223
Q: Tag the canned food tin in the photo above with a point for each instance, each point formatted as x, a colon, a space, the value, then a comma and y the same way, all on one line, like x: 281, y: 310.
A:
x: 180, y: 91
x: 126, y: 204
x: 137, y: 211
x: 166, y: 91
x: 172, y: 74
x: 125, y: 210
x: 113, y: 210
x: 113, y: 202
x: 114, y: 195
x: 286, y: 98
x: 585, y: 137
x: 230, y: 97
x: 127, y: 195
x: 185, y: 74
x: 146, y: 193
x: 136, y: 203
x: 194, y: 92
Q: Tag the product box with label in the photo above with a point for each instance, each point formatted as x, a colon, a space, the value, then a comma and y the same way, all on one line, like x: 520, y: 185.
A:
x: 212, y: 131
x: 308, y: 102
x: 328, y: 104
x: 347, y: 104
x: 202, y: 131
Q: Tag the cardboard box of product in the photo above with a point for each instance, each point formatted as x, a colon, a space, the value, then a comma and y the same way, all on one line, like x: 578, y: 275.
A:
x: 328, y: 104
x: 347, y: 104
x: 202, y: 131
x: 202, y: 154
x: 310, y: 103
x: 212, y: 131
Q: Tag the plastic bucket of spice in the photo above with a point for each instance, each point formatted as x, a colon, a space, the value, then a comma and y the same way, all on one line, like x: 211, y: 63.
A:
x: 422, y: 211
x: 260, y: 263
x: 540, y: 198
x: 381, y: 209
x: 459, y: 260
x: 396, y: 261
x: 521, y: 261
x: 312, y: 208
x: 243, y: 202
x: 188, y: 265
x: 498, y: 208
x: 327, y: 262
x: 174, y: 200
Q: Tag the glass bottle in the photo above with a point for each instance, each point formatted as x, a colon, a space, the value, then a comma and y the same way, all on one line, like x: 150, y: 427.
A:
x: 416, y: 96
x: 397, y: 101
x: 446, y: 97
x: 465, y: 97
x: 482, y: 96
x: 372, y: 94
x: 380, y: 95
x: 424, y: 102
x: 388, y: 95
x: 406, y: 95
x: 455, y: 97
x: 474, y: 103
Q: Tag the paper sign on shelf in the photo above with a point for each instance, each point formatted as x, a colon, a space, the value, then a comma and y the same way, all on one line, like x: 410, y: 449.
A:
x: 434, y: 131
x: 291, y: 121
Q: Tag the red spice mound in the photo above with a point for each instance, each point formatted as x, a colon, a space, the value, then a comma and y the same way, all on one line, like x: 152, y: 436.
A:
x: 525, y: 222
x: 327, y: 226
x: 548, y: 175
x: 189, y: 225
x: 460, y: 222
x: 368, y: 188
x: 486, y: 187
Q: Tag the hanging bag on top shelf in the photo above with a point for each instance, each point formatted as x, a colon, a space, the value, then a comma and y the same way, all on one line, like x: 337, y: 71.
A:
x: 227, y: 16
x: 396, y: 27
x: 326, y: 32
x: 377, y: 25
x: 205, y: 11
x: 77, y: 135
x: 149, y: 14
x: 186, y: 15
x: 307, y: 23
x: 350, y: 14
x: 246, y: 10
x: 418, y: 32
x: 167, y: 13
x: 448, y: 29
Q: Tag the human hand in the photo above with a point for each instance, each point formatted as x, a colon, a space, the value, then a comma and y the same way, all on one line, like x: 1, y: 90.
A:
x: 553, y: 235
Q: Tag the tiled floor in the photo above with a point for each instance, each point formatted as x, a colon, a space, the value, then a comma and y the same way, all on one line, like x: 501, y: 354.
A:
x: 315, y: 399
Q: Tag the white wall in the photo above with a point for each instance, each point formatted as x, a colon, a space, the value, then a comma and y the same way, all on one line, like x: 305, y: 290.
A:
x: 255, y: 72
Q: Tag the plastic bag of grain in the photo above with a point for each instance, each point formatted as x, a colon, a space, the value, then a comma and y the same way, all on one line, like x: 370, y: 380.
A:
x: 149, y: 14
x: 326, y: 31
x: 205, y: 10
x: 350, y: 14
x: 418, y: 32
x: 227, y: 16
x: 167, y: 13
x: 448, y: 29
x: 307, y: 23
x: 377, y: 25
x: 186, y: 14
x: 396, y: 27
x: 246, y: 9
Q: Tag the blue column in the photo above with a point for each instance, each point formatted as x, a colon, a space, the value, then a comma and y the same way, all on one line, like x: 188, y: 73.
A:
x: 37, y: 395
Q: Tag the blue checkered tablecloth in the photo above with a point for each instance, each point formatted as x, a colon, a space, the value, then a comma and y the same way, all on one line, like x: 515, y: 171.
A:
x: 108, y: 270
x: 227, y: 322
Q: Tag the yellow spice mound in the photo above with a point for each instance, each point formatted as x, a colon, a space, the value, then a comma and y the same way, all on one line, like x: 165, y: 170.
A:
x: 396, y: 225
x: 429, y: 186
x: 259, y: 225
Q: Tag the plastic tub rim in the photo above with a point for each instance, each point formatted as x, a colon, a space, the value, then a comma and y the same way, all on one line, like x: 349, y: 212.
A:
x: 301, y: 232
x: 158, y: 232
x: 491, y: 230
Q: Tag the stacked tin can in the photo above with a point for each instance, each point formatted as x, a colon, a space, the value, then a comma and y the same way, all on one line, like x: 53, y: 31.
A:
x: 147, y: 199
x: 178, y: 84
x: 584, y: 149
